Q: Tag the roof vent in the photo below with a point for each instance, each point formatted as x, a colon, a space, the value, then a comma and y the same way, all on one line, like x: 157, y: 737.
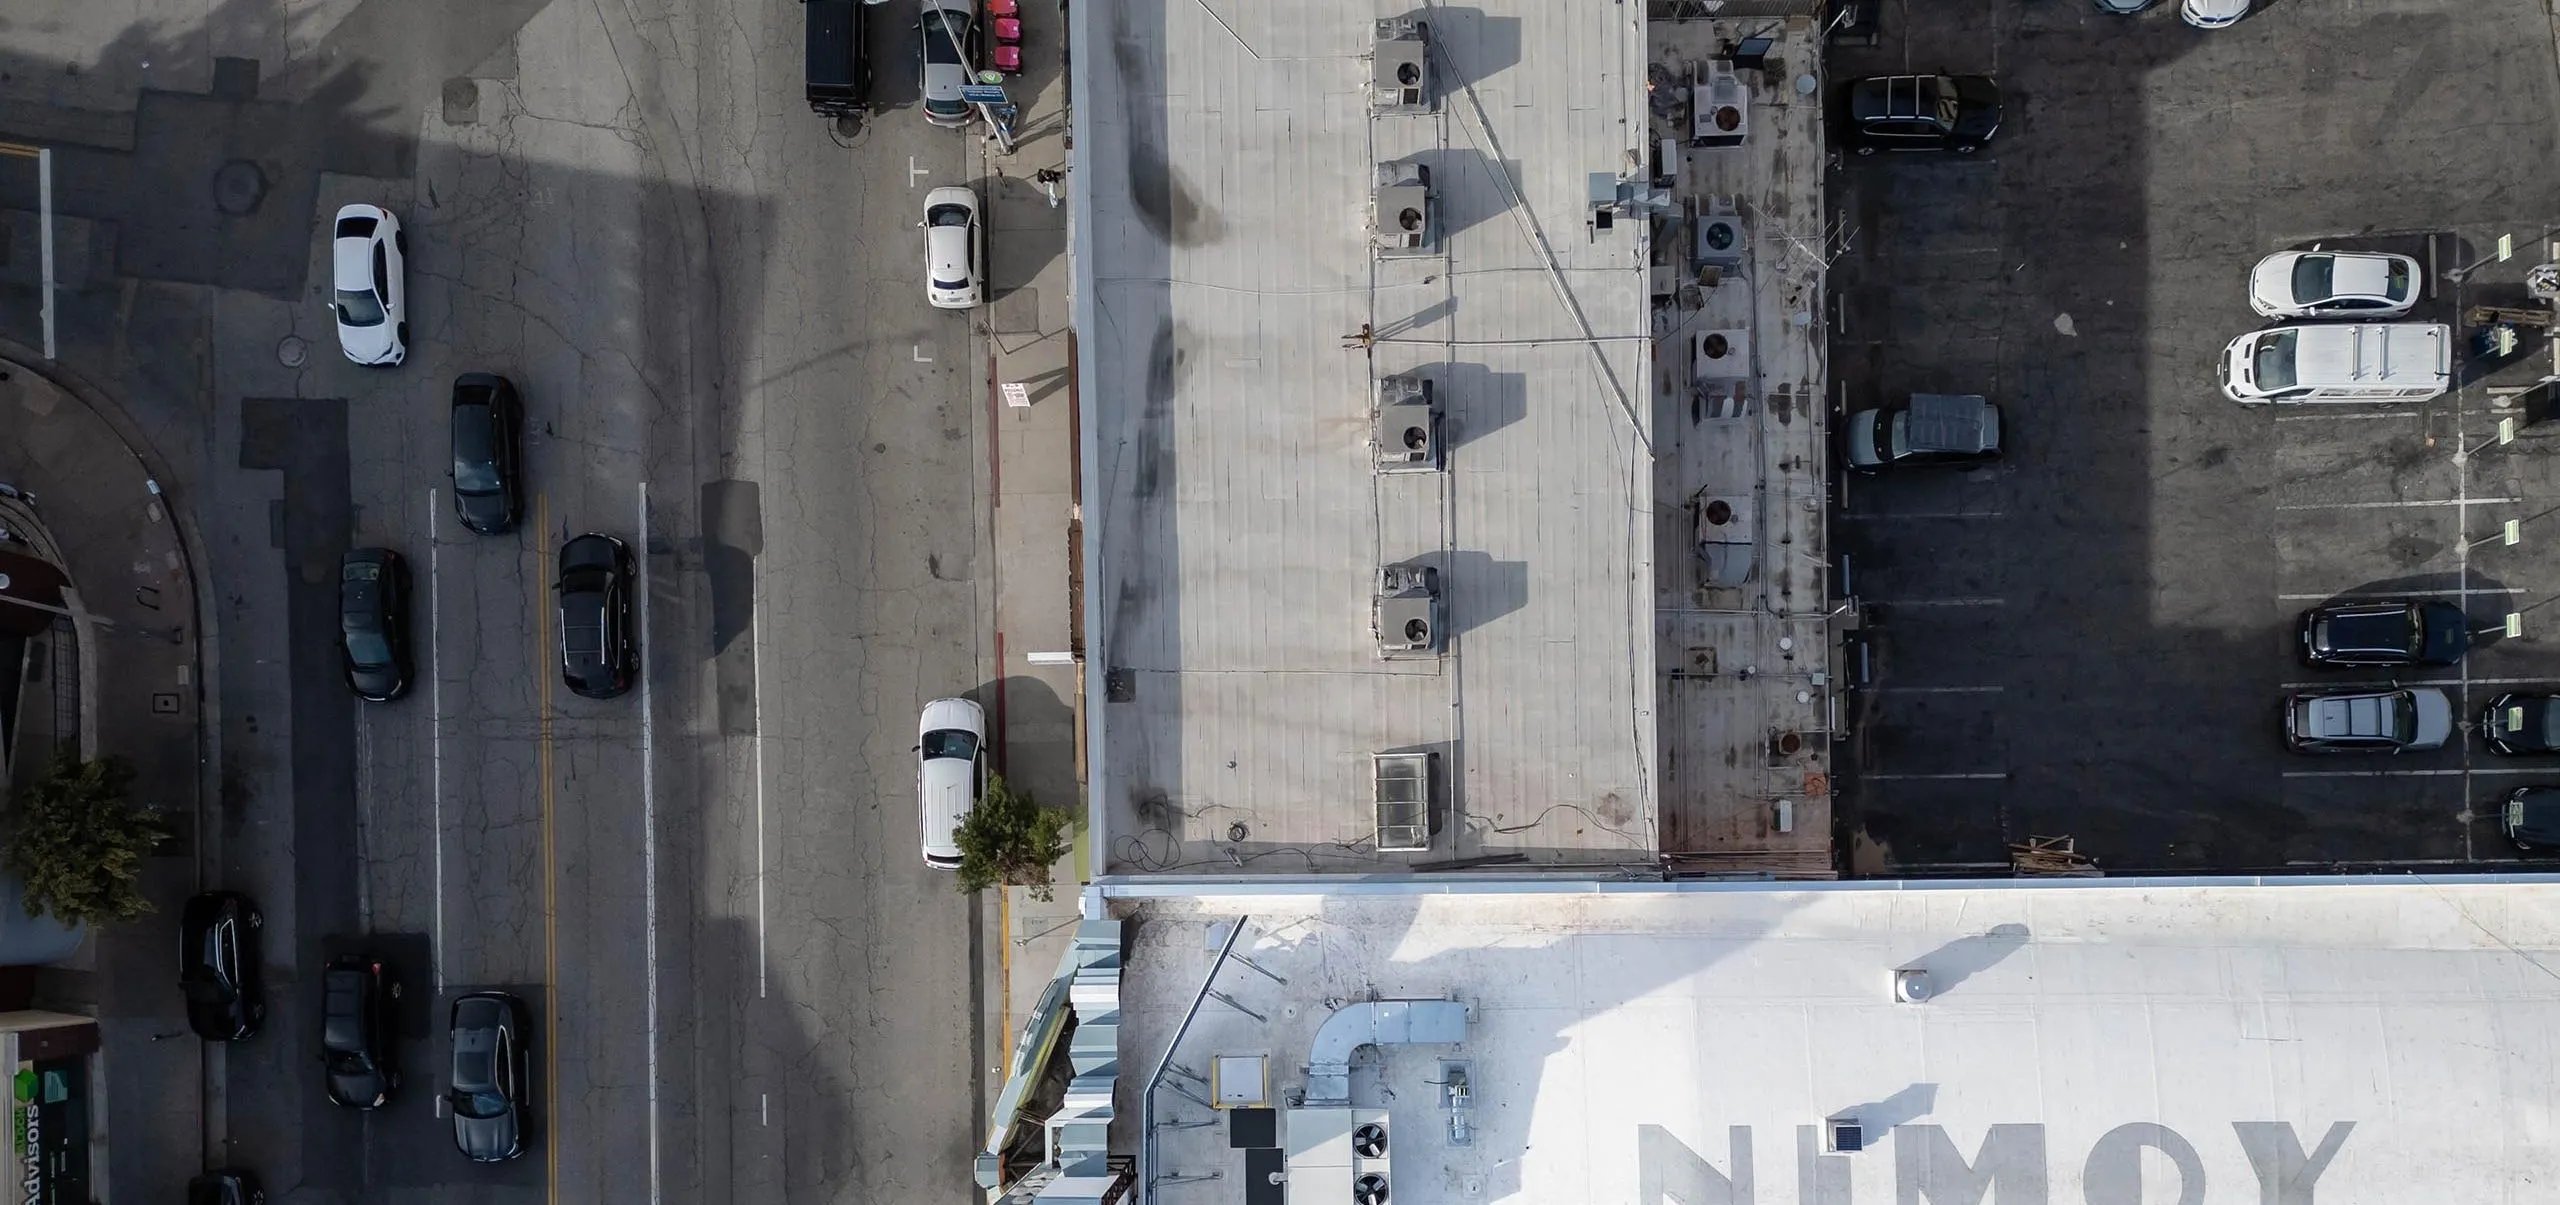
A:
x: 1400, y: 219
x: 1400, y: 79
x: 1408, y: 429
x: 1403, y: 794
x: 1406, y: 616
x: 1719, y: 108
x: 1721, y: 356
x: 1721, y: 236
x: 1369, y: 1189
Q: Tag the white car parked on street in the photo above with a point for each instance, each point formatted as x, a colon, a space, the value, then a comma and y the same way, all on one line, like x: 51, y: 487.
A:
x: 954, y: 249
x: 2333, y: 284
x: 951, y: 772
x: 368, y: 257
x: 2213, y: 14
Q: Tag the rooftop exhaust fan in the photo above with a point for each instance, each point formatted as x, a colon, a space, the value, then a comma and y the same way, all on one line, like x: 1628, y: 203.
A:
x: 1370, y: 1189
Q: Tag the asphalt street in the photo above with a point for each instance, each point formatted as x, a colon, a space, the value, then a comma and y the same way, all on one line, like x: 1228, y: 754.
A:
x: 2091, y: 639
x: 746, y: 985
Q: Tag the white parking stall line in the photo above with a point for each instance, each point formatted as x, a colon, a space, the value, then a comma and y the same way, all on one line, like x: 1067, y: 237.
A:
x: 2463, y: 592
x: 2386, y: 683
x: 1937, y: 690
x: 1931, y: 777
x: 1880, y: 516
x: 1939, y: 602
x: 435, y: 728
x: 649, y: 851
x: 2477, y: 771
x: 2401, y: 504
x: 2402, y: 412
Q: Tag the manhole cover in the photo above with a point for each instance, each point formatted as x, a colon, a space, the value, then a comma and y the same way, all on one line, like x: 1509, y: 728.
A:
x: 238, y: 187
x: 291, y: 351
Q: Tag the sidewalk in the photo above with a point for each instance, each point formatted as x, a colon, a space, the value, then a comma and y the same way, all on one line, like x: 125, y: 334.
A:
x: 1034, y: 485
x: 138, y: 671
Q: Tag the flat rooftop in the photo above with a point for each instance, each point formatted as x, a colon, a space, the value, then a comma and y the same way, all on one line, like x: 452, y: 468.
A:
x: 2098, y: 1041
x: 1236, y: 320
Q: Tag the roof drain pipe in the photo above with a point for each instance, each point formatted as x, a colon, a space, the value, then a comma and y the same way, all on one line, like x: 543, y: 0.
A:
x: 1147, y: 1100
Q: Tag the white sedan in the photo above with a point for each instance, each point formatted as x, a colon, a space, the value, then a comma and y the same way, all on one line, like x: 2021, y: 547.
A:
x: 2333, y: 284
x: 955, y: 273
x: 368, y: 256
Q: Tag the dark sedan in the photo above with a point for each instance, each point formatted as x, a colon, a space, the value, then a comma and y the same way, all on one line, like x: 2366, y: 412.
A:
x: 1923, y: 113
x: 228, y: 1186
x: 488, y: 1079
x: 373, y: 623
x: 488, y: 427
x: 2532, y: 817
x: 356, y: 992
x: 2417, y: 631
x: 2520, y: 722
x: 599, y: 650
x: 218, y: 966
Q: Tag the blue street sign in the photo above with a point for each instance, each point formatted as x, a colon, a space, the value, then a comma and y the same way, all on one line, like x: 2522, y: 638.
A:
x: 982, y: 94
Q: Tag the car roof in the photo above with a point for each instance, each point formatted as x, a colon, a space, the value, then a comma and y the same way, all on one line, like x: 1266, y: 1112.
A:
x: 2364, y: 716
x: 2353, y: 274
x: 1945, y: 422
x: 1890, y: 96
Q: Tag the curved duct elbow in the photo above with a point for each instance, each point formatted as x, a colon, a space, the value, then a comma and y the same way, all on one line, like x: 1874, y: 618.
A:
x: 1375, y: 1023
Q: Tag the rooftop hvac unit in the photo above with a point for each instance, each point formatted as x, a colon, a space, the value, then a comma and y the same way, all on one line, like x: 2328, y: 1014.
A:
x: 1406, y: 616
x: 1728, y: 536
x: 1719, y: 108
x: 1721, y: 236
x: 1400, y: 79
x: 1721, y: 356
x: 1400, y: 219
x: 1370, y: 1170
x: 1408, y: 430
x: 1403, y: 783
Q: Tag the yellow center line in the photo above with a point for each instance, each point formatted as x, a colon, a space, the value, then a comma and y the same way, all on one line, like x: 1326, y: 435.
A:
x: 550, y: 883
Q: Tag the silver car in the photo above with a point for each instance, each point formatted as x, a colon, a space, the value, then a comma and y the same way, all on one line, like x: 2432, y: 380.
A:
x: 949, y: 29
x: 2333, y: 284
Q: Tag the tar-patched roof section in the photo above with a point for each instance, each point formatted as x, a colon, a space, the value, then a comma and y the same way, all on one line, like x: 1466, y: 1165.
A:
x: 1366, y: 419
x: 2356, y: 1043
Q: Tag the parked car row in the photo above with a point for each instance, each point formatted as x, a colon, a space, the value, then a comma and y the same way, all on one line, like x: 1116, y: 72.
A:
x: 219, y: 970
x: 949, y: 46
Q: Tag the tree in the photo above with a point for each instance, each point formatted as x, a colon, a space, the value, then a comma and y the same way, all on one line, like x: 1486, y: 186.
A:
x: 1009, y: 840
x: 77, y: 844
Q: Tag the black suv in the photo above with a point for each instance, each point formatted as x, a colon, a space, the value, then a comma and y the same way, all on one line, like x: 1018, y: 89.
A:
x: 356, y: 992
x: 2418, y: 631
x: 373, y: 623
x: 218, y: 966
x: 599, y: 651
x: 488, y: 424
x: 2532, y: 817
x: 1923, y: 113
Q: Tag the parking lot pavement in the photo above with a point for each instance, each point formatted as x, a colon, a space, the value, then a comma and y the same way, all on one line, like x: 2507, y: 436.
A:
x: 2090, y: 639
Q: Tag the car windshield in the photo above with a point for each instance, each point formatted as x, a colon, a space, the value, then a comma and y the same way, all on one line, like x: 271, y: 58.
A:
x: 2272, y: 363
x: 949, y: 742
x: 2311, y: 277
x: 940, y: 41
x: 2417, y: 630
x: 367, y: 647
x: 2404, y: 718
x: 2396, y: 285
x: 1941, y: 100
x: 359, y: 307
x: 349, y: 1062
x: 483, y: 1104
x: 948, y: 215
x: 1893, y: 434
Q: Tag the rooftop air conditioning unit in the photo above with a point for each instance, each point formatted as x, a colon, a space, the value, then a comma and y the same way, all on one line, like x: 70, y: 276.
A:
x: 1721, y: 356
x: 1721, y: 236
x: 1400, y: 219
x: 1406, y: 617
x: 1372, y: 1179
x: 1400, y: 79
x: 1719, y: 108
x: 1407, y: 438
x: 1403, y: 782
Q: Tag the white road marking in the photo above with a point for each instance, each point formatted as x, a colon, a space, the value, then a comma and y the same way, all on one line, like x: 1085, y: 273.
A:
x: 2407, y: 412
x: 649, y: 848
x: 2363, y: 594
x: 2403, y: 504
x: 921, y: 358
x: 435, y: 730
x: 1938, y: 690
x: 764, y: 1107
x: 2542, y: 771
x: 1924, y: 514
x: 1940, y: 602
x: 913, y: 171
x: 755, y: 608
x: 2387, y: 683
x: 1928, y: 777
x: 364, y: 815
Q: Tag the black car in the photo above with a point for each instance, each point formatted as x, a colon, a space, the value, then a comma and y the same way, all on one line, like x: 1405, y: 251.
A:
x: 356, y: 992
x: 488, y: 423
x: 1923, y: 113
x: 2418, y: 631
x: 218, y: 965
x: 373, y: 622
x: 488, y: 1079
x: 227, y: 1186
x: 2532, y: 817
x: 2520, y: 722
x: 599, y: 650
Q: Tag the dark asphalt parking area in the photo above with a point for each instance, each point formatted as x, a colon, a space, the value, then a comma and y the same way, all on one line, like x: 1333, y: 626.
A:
x: 2091, y: 638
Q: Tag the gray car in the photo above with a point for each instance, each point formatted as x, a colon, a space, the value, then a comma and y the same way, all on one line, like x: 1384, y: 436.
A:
x: 2368, y: 721
x: 487, y: 1084
x: 949, y: 31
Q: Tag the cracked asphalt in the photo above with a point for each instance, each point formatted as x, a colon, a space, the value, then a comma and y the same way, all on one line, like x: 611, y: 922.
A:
x: 710, y: 301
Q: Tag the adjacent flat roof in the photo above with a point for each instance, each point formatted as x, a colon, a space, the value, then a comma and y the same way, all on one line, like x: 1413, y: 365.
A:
x: 2091, y: 1041
x: 1234, y: 520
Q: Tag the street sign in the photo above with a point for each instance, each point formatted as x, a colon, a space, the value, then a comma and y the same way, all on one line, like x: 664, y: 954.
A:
x: 1017, y: 394
x: 982, y: 94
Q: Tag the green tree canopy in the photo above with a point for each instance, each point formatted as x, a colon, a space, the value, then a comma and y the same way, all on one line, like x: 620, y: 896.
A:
x: 1009, y: 840
x: 77, y: 844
